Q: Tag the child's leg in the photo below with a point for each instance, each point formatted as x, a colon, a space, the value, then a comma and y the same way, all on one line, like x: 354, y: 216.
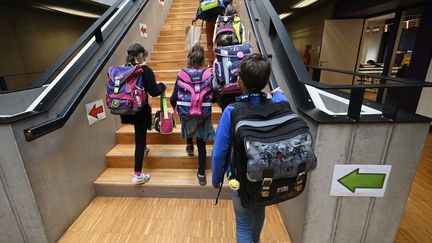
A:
x: 257, y: 223
x: 189, y: 141
x: 140, y: 145
x: 243, y: 220
x: 202, y: 154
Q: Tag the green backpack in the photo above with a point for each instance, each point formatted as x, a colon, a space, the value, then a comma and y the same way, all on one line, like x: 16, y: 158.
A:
x: 209, y: 4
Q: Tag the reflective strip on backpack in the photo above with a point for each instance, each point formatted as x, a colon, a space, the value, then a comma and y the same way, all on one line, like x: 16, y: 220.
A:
x: 184, y: 103
x: 265, y: 123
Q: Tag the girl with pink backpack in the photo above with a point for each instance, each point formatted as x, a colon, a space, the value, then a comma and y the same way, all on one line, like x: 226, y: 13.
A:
x: 192, y: 98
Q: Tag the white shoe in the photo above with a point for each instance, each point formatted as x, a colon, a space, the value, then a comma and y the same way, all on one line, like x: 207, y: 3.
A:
x: 141, y: 179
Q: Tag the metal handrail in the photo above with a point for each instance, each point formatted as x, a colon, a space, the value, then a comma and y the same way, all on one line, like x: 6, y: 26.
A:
x: 51, y: 94
x: 44, y: 128
x: 297, y: 78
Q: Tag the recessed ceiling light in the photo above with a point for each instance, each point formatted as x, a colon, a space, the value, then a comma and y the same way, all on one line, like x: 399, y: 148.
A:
x: 284, y: 15
x: 304, y: 3
x: 73, y: 12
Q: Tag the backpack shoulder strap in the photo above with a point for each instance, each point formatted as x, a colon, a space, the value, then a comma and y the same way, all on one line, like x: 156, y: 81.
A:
x: 184, y: 75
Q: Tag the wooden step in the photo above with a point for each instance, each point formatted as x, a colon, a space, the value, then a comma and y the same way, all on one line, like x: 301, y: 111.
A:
x: 180, y: 9
x: 178, y: 27
x: 166, y: 55
x: 167, y: 64
x: 165, y: 74
x: 175, y: 46
x: 182, y: 13
x: 126, y: 135
x: 166, y: 156
x: 176, y: 31
x: 177, y: 39
x: 164, y: 183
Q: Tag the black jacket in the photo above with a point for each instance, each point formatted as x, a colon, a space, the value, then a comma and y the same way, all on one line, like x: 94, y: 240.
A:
x: 144, y: 116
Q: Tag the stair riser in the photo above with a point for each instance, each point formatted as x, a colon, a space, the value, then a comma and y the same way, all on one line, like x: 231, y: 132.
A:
x: 201, y: 192
x: 180, y: 9
x: 186, y: 21
x: 177, y: 27
x: 167, y: 65
x: 177, y: 31
x: 175, y: 47
x: 160, y: 56
x: 153, y: 138
x: 176, y: 39
x: 160, y: 163
x: 164, y: 76
x: 177, y: 13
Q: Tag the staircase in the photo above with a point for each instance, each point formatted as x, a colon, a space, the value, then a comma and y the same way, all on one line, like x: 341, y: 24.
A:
x: 173, y: 172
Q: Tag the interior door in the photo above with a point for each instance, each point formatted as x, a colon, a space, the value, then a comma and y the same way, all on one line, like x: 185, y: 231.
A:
x: 339, y: 49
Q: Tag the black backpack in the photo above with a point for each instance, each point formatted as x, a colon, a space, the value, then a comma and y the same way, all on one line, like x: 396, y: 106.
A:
x: 271, y: 152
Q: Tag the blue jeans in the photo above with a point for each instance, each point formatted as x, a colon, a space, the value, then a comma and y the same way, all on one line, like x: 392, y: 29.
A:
x: 249, y: 221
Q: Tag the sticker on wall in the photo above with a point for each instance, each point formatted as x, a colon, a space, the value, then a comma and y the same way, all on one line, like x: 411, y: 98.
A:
x: 162, y: 2
x: 360, y: 180
x: 95, y: 111
x: 143, y: 30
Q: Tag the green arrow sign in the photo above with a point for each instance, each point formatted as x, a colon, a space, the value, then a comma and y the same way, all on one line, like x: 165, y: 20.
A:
x: 355, y: 180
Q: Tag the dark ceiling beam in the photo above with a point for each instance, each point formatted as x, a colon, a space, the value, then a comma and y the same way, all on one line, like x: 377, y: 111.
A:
x: 369, y: 8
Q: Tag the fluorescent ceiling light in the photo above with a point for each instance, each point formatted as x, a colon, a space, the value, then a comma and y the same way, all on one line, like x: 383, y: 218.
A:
x: 304, y: 3
x: 73, y: 12
x: 284, y: 15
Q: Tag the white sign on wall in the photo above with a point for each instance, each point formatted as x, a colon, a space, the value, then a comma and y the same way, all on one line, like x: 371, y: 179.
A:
x: 143, y: 30
x: 95, y: 111
x: 360, y: 180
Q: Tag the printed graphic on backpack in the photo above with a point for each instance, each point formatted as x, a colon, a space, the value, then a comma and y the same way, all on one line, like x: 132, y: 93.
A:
x: 125, y: 92
x: 195, y: 93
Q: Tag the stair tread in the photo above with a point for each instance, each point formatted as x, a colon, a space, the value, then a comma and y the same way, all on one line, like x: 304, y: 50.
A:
x: 159, y: 177
x: 215, y: 110
x: 128, y: 128
x: 156, y: 151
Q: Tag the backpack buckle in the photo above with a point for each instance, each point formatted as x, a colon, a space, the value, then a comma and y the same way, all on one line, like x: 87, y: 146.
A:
x: 265, y: 190
x: 299, y: 181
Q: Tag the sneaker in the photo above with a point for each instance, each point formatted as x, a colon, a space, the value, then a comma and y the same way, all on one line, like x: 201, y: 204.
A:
x: 202, y: 179
x: 141, y: 179
x: 146, y: 150
x: 190, y: 149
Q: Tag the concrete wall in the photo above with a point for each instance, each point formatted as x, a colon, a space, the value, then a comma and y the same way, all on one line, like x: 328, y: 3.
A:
x: 424, y: 107
x: 62, y: 166
x: 361, y: 219
x: 32, y: 40
x: 15, y: 102
x: 307, y: 29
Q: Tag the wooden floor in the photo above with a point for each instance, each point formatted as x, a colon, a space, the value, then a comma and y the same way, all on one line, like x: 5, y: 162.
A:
x: 123, y: 219
x: 416, y: 224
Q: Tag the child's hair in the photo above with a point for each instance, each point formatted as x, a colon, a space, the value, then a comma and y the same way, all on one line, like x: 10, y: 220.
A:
x: 230, y: 10
x: 254, y: 70
x: 227, y: 40
x: 133, y: 51
x: 196, y: 57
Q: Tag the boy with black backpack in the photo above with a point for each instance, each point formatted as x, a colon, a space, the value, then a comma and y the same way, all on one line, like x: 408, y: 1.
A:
x: 269, y: 146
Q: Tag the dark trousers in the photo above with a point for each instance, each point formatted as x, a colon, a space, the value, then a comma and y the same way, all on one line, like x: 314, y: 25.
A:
x: 202, y: 154
x: 140, y: 144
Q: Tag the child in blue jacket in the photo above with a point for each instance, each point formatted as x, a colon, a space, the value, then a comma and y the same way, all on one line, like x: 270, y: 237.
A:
x: 254, y: 73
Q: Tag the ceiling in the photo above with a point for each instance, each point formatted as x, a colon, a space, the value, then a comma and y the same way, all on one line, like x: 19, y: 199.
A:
x: 82, y: 8
x: 284, y: 6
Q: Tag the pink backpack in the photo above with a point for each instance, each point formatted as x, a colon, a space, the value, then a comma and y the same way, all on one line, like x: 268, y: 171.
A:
x: 194, y: 93
x: 164, y: 121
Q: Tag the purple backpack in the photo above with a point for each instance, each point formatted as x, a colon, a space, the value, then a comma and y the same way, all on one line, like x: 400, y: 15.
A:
x: 125, y: 90
x: 194, y: 92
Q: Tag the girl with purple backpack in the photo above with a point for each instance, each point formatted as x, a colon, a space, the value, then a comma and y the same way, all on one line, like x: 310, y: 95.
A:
x: 192, y: 98
x: 142, y: 120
